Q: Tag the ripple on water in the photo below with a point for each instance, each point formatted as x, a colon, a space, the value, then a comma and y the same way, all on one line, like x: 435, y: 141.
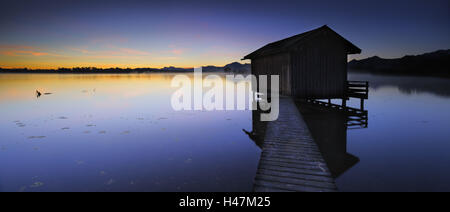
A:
x: 36, y: 184
x: 110, y: 182
x: 36, y: 137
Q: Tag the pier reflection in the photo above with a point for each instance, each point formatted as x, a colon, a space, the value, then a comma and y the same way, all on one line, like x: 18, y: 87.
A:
x: 328, y: 128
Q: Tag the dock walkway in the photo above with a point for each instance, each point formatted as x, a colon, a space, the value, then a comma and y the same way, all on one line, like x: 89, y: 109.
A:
x: 290, y: 159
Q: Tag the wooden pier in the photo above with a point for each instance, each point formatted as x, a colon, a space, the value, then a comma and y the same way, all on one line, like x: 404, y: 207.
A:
x: 290, y: 159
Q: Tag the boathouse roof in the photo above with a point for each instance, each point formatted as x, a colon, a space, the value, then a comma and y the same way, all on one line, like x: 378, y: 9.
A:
x: 287, y: 44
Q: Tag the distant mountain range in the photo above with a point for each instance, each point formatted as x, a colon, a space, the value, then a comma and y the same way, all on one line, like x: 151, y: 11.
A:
x: 430, y: 64
x: 234, y: 67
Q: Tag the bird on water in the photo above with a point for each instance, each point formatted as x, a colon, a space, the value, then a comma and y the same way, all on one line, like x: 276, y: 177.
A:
x: 38, y: 93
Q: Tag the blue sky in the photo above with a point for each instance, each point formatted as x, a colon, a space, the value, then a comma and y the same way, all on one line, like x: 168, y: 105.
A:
x: 49, y: 34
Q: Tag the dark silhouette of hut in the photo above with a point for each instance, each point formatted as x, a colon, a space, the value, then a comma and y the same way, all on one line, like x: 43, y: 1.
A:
x: 310, y: 65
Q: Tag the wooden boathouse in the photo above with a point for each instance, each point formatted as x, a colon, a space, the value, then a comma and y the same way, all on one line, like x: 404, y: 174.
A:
x: 310, y: 65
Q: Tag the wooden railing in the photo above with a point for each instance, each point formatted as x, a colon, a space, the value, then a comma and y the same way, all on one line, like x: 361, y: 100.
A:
x: 358, y: 89
x: 356, y: 118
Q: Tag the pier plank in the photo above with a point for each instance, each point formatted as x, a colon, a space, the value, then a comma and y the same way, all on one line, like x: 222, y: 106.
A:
x: 290, y: 159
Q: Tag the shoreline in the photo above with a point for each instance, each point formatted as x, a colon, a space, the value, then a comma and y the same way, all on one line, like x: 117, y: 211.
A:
x: 399, y: 74
x: 115, y: 72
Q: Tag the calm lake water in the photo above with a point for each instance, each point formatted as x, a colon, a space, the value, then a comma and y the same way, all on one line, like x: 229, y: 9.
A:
x: 120, y: 133
x: 117, y: 133
x: 407, y: 143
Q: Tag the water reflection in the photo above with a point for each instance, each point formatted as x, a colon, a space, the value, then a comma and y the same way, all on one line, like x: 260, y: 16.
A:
x: 328, y: 128
x: 107, y: 132
x: 406, y: 145
x: 119, y: 133
x: 406, y: 84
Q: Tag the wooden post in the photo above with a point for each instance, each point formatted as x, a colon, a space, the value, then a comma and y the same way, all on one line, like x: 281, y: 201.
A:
x: 344, y: 102
x: 362, y: 104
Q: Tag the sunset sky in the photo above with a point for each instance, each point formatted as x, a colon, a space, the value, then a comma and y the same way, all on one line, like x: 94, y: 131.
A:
x: 52, y: 34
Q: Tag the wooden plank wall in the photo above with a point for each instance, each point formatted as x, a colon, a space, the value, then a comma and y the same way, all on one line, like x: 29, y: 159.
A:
x: 275, y: 65
x: 319, y: 69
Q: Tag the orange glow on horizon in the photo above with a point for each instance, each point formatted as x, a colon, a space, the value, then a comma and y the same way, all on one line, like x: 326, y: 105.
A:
x: 50, y: 65
x: 110, y: 56
x: 39, y: 60
x: 103, y: 66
